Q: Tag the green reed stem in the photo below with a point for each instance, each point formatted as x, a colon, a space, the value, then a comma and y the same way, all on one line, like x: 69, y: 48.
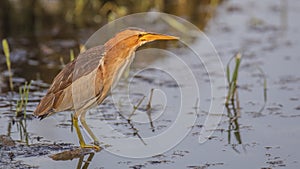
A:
x: 71, y: 55
x: 233, y: 80
x: 8, y: 63
x: 22, y: 102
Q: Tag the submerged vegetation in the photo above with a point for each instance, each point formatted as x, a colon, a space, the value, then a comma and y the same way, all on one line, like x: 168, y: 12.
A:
x: 20, y: 116
x: 23, y: 90
x: 232, y: 102
x: 264, y: 89
x: 233, y: 111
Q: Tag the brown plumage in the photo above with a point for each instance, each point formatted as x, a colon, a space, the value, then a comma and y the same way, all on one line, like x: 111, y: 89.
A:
x: 86, y: 81
x: 85, y: 64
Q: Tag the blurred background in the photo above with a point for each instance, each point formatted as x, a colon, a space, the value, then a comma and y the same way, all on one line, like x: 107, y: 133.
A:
x: 262, y: 131
x: 42, y: 32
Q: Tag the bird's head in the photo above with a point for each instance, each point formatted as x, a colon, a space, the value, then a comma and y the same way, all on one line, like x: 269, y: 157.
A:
x: 145, y: 37
x: 133, y: 38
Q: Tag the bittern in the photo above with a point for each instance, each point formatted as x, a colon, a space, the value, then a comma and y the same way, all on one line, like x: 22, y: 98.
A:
x: 86, y: 81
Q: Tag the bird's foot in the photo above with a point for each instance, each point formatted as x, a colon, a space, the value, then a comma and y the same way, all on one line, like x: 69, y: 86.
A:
x: 97, y: 148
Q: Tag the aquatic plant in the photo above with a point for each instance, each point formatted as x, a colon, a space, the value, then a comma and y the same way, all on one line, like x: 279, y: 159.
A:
x: 264, y: 89
x: 71, y: 55
x: 8, y: 63
x: 233, y: 111
x: 23, y: 100
x: 232, y: 82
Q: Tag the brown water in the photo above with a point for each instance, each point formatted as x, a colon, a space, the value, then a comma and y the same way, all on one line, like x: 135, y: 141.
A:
x: 267, y: 34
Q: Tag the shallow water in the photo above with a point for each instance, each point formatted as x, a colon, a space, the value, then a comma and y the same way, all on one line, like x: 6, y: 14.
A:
x: 267, y: 34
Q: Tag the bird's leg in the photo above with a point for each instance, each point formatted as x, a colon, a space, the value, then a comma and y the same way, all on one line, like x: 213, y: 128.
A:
x: 86, y: 127
x: 80, y: 137
x: 75, y: 123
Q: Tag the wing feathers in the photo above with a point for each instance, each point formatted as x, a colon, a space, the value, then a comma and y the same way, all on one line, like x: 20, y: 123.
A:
x: 59, y: 95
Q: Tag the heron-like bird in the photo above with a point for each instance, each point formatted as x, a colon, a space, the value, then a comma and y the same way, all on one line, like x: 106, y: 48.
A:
x: 86, y: 81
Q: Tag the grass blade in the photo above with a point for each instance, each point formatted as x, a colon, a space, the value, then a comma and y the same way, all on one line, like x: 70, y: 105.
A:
x: 8, y: 63
x: 71, y: 55
x: 233, y: 81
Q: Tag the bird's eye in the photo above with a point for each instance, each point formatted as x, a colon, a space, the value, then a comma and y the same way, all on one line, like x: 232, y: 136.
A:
x: 140, y: 35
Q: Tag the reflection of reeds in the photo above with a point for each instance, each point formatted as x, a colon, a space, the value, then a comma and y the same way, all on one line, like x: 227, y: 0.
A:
x: 21, y: 126
x: 233, y: 114
x: 148, y: 109
x: 150, y: 99
x: 8, y: 63
x: 265, y: 83
x: 196, y: 107
x: 264, y: 89
x: 135, y: 130
x: 136, y: 107
x: 232, y: 82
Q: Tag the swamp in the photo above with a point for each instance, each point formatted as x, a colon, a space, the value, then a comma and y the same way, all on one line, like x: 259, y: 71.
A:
x: 225, y: 95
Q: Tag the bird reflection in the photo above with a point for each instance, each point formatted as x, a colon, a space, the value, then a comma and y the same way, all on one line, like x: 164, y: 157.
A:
x: 85, y: 164
x: 80, y: 153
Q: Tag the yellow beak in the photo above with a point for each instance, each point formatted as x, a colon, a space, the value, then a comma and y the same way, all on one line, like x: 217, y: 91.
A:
x: 155, y: 36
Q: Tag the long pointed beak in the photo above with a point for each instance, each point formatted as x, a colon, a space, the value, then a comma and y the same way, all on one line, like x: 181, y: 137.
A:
x: 155, y: 36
